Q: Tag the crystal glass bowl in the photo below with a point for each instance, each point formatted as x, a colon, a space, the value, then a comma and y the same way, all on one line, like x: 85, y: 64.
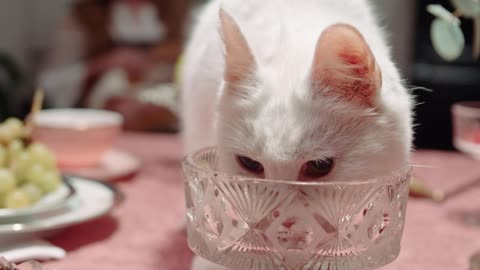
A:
x: 466, y: 127
x: 263, y: 224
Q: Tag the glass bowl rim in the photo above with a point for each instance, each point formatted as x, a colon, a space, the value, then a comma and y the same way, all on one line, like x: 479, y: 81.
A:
x: 466, y: 108
x: 189, y: 161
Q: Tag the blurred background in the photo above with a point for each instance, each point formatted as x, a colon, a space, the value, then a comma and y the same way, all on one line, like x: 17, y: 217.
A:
x: 122, y: 55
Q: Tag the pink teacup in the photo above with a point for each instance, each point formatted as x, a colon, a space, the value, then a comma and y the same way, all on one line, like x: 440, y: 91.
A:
x: 77, y: 137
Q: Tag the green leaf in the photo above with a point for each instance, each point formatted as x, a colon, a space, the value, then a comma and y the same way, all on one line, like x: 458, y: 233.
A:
x: 440, y: 12
x: 468, y: 8
x: 447, y: 39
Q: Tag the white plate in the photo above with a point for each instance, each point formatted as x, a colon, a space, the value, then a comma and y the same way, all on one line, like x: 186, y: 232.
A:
x: 50, y: 203
x: 93, y: 199
x: 114, y: 165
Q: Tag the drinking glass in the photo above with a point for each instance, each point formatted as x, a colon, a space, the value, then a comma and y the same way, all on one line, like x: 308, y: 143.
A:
x: 466, y: 127
x: 466, y: 138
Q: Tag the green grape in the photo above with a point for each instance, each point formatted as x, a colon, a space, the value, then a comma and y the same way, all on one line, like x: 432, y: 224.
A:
x: 38, y: 149
x: 49, y: 161
x: 49, y: 181
x: 6, y: 134
x: 40, y: 153
x: 34, y: 193
x: 15, y: 147
x: 20, y: 166
x: 7, y: 181
x: 15, y: 126
x: 2, y: 200
x: 34, y: 173
x: 3, y: 156
x: 17, y: 199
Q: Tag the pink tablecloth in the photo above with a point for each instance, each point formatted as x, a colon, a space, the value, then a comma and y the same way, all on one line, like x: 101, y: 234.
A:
x: 144, y: 233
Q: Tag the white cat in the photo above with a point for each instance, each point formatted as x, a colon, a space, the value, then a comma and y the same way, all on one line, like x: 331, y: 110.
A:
x: 300, y: 90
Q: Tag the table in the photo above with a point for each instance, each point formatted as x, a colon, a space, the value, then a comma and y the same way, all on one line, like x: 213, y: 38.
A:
x: 145, y: 232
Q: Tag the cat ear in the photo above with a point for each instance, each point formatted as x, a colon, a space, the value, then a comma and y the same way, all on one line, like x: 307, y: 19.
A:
x: 239, y: 60
x: 345, y: 66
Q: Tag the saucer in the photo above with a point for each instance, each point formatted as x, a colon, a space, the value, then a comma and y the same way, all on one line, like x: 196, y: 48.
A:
x: 114, y: 165
x: 51, y: 203
x: 93, y: 199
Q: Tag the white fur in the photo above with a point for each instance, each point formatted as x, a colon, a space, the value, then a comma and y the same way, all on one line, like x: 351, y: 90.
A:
x: 278, y: 122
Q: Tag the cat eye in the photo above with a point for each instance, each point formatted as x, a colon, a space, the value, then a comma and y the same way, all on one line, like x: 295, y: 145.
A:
x: 317, y: 168
x: 250, y: 165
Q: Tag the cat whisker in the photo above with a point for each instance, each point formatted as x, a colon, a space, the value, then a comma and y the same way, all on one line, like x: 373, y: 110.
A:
x: 414, y: 88
x: 418, y: 103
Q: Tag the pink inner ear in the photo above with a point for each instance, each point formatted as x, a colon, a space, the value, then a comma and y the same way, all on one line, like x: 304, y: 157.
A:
x: 239, y: 60
x: 345, y: 64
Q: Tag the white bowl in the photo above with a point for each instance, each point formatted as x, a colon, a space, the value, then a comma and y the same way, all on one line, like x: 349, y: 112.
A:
x: 77, y: 137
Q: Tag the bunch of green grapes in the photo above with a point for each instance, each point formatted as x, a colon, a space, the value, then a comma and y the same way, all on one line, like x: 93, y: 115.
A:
x: 28, y: 171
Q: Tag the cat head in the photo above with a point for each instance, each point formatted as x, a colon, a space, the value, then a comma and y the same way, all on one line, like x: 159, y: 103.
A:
x: 330, y: 123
